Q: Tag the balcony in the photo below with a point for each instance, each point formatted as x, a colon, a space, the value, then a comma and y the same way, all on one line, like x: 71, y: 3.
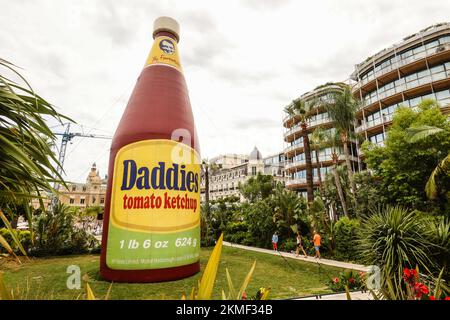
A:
x: 298, y: 146
x: 293, y: 130
x: 369, y: 124
x: 301, y: 164
x: 311, y: 124
x: 430, y: 50
x: 408, y: 65
x: 299, y: 181
x: 317, y: 122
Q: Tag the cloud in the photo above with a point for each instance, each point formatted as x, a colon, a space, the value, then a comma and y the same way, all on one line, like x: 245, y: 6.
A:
x: 255, y: 123
x: 265, y: 4
x: 243, y: 60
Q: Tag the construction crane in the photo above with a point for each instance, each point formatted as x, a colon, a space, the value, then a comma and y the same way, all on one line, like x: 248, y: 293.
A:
x: 67, y: 136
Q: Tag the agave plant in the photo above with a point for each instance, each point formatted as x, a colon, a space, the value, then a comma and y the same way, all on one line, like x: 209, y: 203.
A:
x: 26, y: 157
x: 393, y: 239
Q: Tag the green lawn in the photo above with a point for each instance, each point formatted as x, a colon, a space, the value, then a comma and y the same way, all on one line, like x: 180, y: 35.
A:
x: 46, y: 277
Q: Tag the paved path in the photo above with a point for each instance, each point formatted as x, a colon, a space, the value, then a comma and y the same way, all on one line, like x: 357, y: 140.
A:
x: 328, y: 262
x: 357, y: 295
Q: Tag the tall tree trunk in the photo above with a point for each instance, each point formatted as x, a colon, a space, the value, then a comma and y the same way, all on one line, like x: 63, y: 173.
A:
x: 14, y: 221
x: 334, y: 209
x: 344, y: 138
x: 207, y: 189
x: 319, y: 174
x: 309, y: 173
x: 337, y: 181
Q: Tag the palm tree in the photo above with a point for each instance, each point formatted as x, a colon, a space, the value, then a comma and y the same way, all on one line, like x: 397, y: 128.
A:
x: 318, y: 139
x: 288, y: 208
x: 443, y: 167
x: 299, y: 108
x: 207, y: 169
x: 342, y: 112
x: 26, y: 157
x: 334, y: 141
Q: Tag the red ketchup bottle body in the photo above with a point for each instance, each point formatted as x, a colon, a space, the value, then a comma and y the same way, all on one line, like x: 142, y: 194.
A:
x: 151, y: 227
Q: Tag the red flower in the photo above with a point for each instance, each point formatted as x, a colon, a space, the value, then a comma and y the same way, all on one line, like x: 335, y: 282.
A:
x: 420, y: 289
x: 447, y: 298
x: 335, y: 280
x: 244, y: 295
x: 432, y: 298
x: 409, y: 274
x: 406, y: 274
x: 351, y: 280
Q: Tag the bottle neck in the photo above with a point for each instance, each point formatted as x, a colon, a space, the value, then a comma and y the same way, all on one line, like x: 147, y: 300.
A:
x: 164, y: 50
x: 165, y: 34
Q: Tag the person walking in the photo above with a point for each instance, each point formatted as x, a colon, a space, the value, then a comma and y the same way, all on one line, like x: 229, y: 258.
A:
x: 300, y: 246
x: 275, y: 241
x: 316, y: 241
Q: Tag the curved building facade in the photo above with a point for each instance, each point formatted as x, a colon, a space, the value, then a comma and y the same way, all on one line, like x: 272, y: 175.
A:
x: 295, y: 166
x: 404, y: 74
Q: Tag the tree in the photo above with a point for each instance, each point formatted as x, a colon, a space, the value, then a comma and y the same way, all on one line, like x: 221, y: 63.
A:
x: 299, y: 108
x: 319, y: 141
x: 404, y: 166
x: 257, y: 188
x: 319, y: 221
x: 26, y: 157
x: 441, y: 170
x: 334, y: 141
x: 223, y: 211
x: 288, y: 208
x: 207, y: 169
x: 342, y: 112
x: 368, y: 194
x: 259, y: 216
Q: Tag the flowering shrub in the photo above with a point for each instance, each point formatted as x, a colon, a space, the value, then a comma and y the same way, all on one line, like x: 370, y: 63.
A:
x: 416, y: 289
x: 351, y: 278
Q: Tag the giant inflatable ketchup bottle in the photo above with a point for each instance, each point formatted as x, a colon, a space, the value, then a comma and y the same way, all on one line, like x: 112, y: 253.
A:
x: 151, y: 227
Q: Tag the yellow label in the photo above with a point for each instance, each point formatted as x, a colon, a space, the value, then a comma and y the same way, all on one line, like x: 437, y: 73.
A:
x: 164, y: 51
x: 156, y: 187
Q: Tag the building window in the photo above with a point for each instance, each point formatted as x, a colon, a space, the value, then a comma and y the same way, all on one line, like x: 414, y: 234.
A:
x: 253, y: 171
x: 72, y: 201
x: 84, y: 188
x: 74, y: 188
x: 93, y: 200
x: 102, y: 200
x: 82, y: 201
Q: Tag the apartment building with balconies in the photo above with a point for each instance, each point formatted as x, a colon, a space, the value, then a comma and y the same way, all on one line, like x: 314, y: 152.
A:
x: 414, y: 69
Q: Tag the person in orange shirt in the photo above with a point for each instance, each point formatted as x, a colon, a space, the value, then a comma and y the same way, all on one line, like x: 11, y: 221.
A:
x: 316, y: 241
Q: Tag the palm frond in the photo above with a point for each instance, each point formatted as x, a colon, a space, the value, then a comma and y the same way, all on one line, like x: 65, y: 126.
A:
x: 431, y: 187
x: 418, y: 133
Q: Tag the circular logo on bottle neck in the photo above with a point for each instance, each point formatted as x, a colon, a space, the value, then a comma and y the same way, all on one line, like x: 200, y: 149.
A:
x: 167, y: 46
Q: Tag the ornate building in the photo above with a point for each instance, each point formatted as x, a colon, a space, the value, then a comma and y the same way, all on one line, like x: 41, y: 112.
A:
x: 83, y: 195
x: 227, y: 171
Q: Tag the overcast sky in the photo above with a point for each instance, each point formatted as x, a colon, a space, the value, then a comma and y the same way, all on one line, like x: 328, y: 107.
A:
x: 243, y: 60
